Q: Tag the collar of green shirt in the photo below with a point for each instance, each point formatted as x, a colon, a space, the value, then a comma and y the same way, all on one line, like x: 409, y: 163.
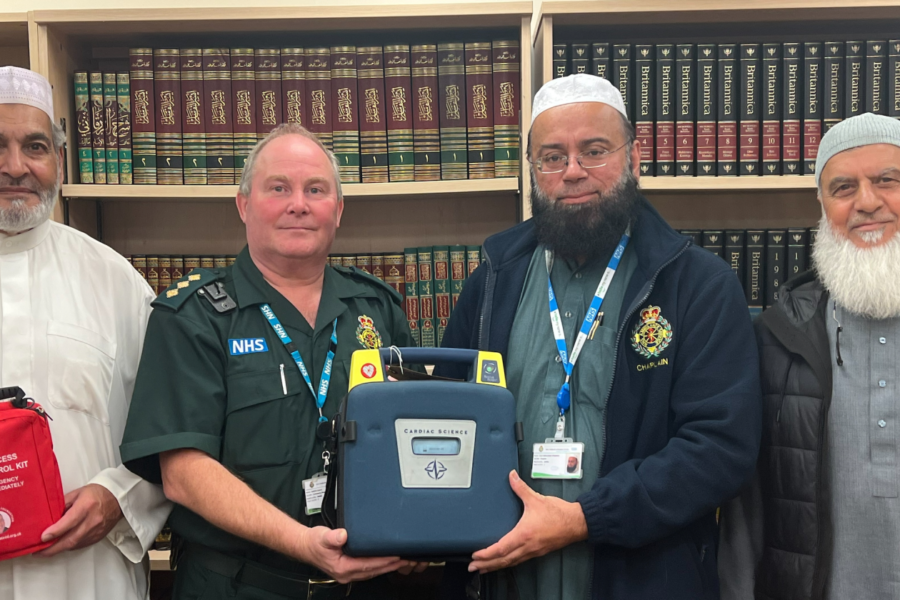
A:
x: 252, y: 289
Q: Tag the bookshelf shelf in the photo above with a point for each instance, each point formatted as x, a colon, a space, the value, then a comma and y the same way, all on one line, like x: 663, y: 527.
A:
x: 469, y: 187
x: 728, y: 184
x: 98, y: 40
x: 14, y: 39
x: 610, y: 12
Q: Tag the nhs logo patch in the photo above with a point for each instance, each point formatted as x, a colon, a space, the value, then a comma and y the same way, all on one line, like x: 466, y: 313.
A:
x: 247, y: 346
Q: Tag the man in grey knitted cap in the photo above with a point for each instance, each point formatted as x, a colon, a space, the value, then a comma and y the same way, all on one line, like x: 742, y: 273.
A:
x: 822, y: 518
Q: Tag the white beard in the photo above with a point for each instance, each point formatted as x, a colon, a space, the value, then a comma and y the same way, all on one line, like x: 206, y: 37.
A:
x: 864, y: 281
x: 19, y: 217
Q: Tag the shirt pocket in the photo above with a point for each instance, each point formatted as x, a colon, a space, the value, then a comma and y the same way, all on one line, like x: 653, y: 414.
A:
x: 81, y: 364
x: 262, y: 425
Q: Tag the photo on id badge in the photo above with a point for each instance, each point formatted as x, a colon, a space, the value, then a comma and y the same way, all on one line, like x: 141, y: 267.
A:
x: 555, y: 460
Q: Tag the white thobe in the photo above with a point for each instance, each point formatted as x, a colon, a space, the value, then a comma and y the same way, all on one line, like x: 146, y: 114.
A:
x: 72, y: 319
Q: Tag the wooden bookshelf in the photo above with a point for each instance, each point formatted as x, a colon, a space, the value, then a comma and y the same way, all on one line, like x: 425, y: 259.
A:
x: 395, y: 214
x: 14, y: 39
x: 469, y: 187
x: 699, y: 201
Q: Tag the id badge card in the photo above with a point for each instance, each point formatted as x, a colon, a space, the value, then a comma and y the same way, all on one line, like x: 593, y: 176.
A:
x: 557, y: 460
x: 314, y: 488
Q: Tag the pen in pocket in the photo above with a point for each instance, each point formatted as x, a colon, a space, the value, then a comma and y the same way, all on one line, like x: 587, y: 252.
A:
x: 283, y: 380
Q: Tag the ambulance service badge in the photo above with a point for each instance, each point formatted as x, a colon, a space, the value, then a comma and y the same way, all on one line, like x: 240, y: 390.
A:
x: 366, y: 333
x: 652, y: 334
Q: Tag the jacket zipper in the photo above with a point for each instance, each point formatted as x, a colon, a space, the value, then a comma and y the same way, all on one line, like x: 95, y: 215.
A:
x: 612, y: 380
x: 488, y: 297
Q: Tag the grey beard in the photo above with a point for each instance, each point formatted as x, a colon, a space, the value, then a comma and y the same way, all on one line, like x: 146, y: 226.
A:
x: 862, y: 280
x: 19, y: 217
x: 591, y: 229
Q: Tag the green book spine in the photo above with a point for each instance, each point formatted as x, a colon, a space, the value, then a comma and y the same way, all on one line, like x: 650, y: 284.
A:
x: 111, y: 127
x: 123, y: 91
x: 442, y: 305
x: 473, y: 259
x: 83, y: 118
x: 411, y: 295
x: 98, y: 131
x: 457, y: 273
x: 426, y: 298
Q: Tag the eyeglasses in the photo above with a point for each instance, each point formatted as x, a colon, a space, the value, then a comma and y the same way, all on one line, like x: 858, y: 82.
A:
x: 590, y: 159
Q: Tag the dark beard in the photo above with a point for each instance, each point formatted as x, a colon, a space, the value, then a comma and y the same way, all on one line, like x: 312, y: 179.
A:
x: 590, y: 230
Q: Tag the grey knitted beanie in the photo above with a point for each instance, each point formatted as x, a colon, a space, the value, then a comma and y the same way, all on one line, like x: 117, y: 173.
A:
x: 862, y: 130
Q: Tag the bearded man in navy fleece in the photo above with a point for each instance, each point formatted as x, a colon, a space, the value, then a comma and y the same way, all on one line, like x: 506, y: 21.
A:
x: 630, y: 344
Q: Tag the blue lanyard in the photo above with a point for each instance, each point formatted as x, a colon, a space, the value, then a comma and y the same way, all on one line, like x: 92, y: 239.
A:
x: 325, y: 379
x: 563, y: 398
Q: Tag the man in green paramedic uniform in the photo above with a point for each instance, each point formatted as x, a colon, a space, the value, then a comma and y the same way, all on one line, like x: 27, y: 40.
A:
x: 239, y: 367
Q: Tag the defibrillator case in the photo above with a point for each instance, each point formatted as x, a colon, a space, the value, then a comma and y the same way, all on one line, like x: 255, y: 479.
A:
x: 422, y: 467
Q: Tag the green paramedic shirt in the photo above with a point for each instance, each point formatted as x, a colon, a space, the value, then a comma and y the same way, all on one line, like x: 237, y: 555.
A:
x: 534, y: 376
x: 196, y: 388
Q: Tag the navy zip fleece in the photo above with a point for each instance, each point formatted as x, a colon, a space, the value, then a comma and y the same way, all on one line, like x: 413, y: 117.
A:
x: 683, y: 428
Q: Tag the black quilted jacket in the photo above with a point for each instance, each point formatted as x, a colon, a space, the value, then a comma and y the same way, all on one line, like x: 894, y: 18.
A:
x: 777, y: 536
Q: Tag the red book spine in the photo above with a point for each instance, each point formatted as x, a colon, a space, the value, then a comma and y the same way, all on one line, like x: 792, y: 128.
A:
x: 217, y: 109
x: 812, y: 105
x: 194, y: 131
x: 167, y: 84
x: 268, y: 91
x: 706, y: 110
x: 506, y: 108
x: 293, y: 85
x: 143, y: 123
x: 479, y: 110
x: 686, y: 110
x: 665, y: 109
x: 771, y: 109
x: 243, y: 86
x: 373, y: 148
x: 318, y: 90
x: 750, y: 109
x: 412, y: 297
x: 791, y: 109
x: 345, y: 111
x: 452, y: 106
x: 426, y: 130
x: 397, y: 73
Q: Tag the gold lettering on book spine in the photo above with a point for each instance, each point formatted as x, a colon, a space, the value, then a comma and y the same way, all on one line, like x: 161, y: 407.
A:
x: 479, y: 101
x: 243, y: 107
x: 452, y: 102
x: 372, y: 106
x: 507, y: 99
x: 318, y: 107
x: 192, y: 107
x: 268, y: 108
x: 344, y: 106
x: 217, y: 98
x: 167, y: 107
x: 398, y: 103
x: 293, y: 107
x: 141, y: 107
x: 425, y: 101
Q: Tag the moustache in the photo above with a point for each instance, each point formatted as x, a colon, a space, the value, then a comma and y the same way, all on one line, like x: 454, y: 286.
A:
x: 26, y: 181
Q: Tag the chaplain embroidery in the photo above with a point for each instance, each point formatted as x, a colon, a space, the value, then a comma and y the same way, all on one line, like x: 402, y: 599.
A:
x: 652, y: 334
x: 366, y: 333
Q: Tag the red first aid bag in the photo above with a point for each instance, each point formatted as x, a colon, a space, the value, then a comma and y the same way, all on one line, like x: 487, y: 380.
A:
x: 31, y: 496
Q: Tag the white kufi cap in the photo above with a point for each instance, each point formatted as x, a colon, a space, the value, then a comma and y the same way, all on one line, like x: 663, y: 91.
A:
x: 21, y: 86
x: 576, y: 88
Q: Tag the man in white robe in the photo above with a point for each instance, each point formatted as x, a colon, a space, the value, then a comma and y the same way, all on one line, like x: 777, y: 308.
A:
x: 72, y: 320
